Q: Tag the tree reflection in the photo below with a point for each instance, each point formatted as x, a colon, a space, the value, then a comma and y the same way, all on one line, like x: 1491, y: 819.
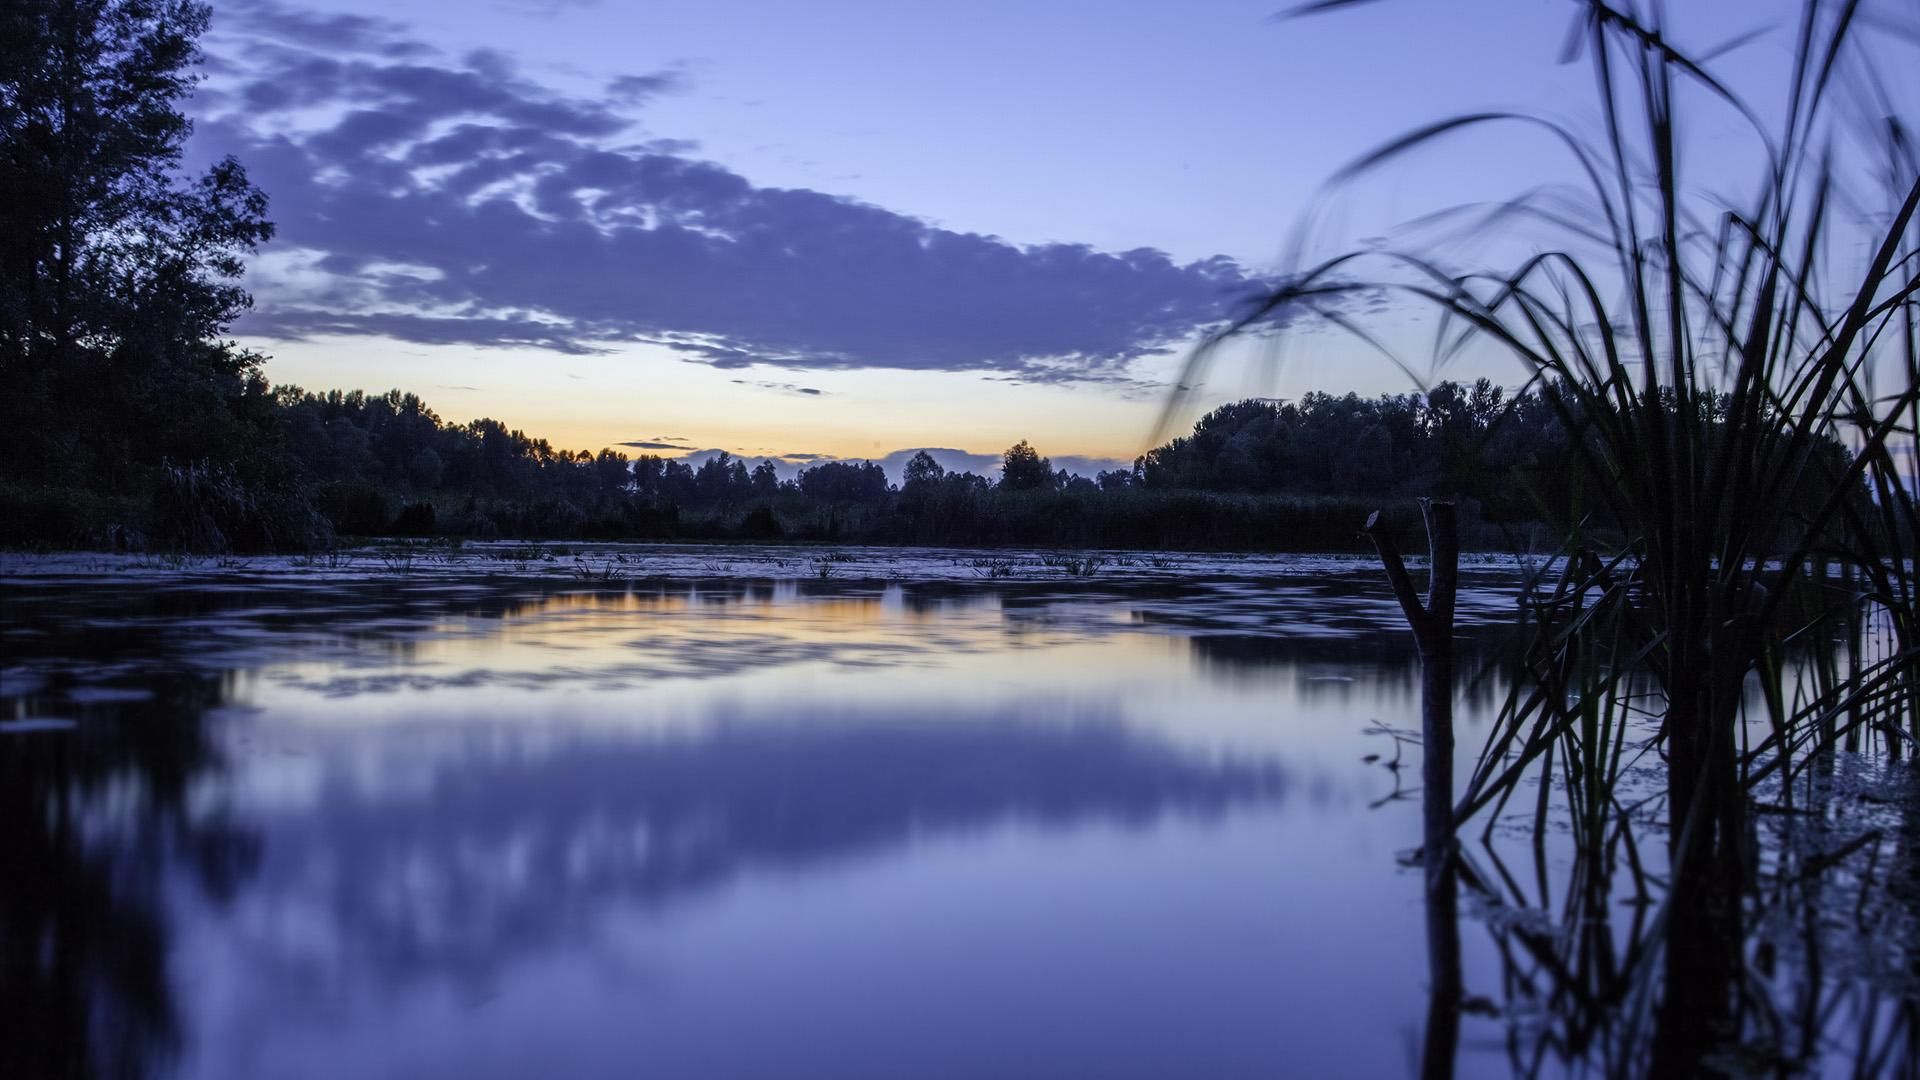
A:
x: 96, y: 817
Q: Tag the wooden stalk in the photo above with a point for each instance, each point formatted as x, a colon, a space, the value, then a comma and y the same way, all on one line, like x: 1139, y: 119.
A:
x: 1432, y: 625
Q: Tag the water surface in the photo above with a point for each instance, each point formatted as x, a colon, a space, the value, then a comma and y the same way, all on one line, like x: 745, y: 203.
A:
x: 720, y: 812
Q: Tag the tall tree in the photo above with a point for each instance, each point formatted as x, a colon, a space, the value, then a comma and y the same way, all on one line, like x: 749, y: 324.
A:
x: 118, y: 272
x: 922, y: 471
x: 1023, y: 469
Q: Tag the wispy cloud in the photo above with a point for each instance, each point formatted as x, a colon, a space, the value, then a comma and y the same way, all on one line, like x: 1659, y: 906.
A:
x: 785, y: 388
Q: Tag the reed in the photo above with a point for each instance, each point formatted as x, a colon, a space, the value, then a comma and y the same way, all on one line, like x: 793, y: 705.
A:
x: 1740, y: 372
x: 1742, y: 389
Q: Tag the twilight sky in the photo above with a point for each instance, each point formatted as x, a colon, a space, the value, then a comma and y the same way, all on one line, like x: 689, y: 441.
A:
x: 848, y: 228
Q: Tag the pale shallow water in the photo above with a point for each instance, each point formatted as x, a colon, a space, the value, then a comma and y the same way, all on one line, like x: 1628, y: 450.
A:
x: 691, y: 812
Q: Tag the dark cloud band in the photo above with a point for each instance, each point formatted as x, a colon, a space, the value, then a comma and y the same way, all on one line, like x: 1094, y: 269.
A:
x: 455, y: 201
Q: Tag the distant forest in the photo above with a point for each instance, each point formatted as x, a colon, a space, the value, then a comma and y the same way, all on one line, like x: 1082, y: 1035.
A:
x: 129, y: 421
x: 1256, y: 474
x: 318, y: 468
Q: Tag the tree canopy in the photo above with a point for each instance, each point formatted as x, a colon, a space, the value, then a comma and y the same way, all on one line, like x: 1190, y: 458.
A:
x: 1023, y: 469
x: 118, y: 270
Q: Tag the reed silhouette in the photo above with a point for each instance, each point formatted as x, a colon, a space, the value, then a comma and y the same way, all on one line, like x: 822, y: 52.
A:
x: 1702, y: 347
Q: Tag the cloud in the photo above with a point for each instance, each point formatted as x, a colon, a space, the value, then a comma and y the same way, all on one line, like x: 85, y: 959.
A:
x: 457, y: 201
x: 988, y: 465
x: 299, y: 324
x: 271, y: 21
x: 788, y: 464
x: 634, y: 89
x: 950, y: 459
x: 1089, y: 467
x: 785, y: 388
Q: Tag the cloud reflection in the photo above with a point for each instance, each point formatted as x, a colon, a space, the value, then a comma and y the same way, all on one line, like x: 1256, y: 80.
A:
x: 503, y: 852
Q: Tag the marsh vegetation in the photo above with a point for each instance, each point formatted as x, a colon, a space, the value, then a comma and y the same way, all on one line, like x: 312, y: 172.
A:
x: 1739, y: 372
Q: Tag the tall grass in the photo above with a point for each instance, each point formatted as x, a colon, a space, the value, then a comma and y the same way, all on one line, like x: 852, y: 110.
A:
x: 1741, y: 370
x: 1745, y: 386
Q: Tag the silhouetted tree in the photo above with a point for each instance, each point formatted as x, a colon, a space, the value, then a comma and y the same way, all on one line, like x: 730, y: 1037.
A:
x: 844, y: 481
x: 721, y: 481
x: 766, y: 482
x: 921, y: 471
x: 677, y: 482
x: 612, y: 472
x: 117, y: 274
x: 1023, y: 469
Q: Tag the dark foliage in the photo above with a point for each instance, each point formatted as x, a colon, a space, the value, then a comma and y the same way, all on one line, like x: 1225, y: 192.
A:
x: 1023, y: 469
x: 1252, y: 475
x: 117, y: 272
x: 1453, y: 440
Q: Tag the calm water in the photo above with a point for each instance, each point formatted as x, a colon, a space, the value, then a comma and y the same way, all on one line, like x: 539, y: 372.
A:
x: 727, y: 813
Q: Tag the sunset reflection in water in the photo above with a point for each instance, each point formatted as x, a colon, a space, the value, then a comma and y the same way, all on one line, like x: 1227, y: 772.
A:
x: 755, y: 828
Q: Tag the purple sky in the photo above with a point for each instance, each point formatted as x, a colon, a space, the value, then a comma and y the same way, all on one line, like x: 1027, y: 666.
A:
x: 851, y: 228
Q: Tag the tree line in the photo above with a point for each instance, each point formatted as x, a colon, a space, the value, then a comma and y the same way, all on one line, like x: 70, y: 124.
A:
x: 1256, y: 474
x: 128, y: 420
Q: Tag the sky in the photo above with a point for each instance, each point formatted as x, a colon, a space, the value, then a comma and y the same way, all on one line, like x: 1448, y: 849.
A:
x: 854, y: 228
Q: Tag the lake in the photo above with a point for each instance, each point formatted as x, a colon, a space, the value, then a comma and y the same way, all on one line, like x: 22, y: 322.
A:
x: 501, y: 811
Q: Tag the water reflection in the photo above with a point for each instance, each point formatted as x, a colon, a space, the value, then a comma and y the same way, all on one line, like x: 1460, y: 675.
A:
x: 361, y: 637
x: 501, y: 849
x: 1612, y: 976
x: 98, y: 818
x: 506, y: 840
x: 264, y: 825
